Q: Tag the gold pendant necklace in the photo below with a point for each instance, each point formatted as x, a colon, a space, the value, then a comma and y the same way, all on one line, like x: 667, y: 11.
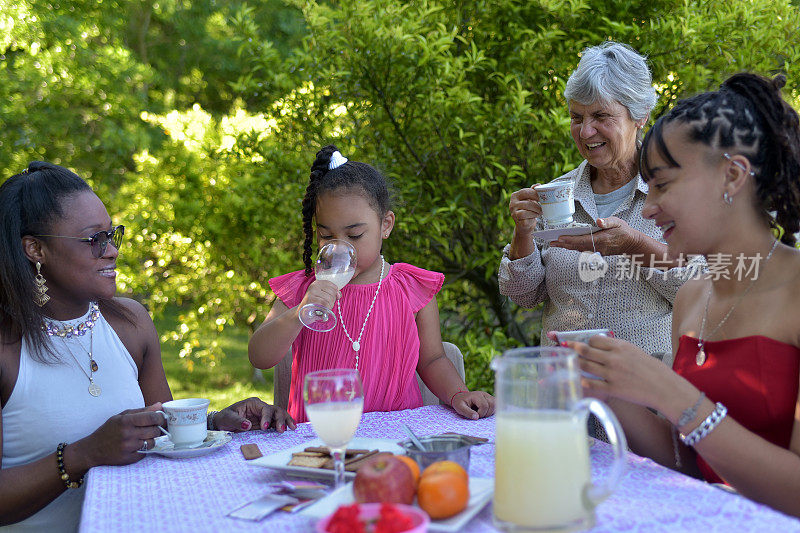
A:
x: 700, y: 358
x: 94, y: 388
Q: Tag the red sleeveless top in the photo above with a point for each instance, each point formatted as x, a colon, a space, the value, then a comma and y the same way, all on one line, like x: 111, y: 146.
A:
x: 755, y: 377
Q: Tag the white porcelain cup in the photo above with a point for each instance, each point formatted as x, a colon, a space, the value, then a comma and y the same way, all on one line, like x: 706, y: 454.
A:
x: 557, y: 201
x: 186, y: 421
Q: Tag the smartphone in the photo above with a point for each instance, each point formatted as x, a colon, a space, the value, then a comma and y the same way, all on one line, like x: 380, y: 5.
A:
x: 582, y: 335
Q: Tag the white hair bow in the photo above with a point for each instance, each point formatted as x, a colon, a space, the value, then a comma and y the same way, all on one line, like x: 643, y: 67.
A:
x: 337, y: 160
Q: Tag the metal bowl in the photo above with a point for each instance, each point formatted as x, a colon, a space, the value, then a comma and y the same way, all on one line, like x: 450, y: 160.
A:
x: 439, y: 448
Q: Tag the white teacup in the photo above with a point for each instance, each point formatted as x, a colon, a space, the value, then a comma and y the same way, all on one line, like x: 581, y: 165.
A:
x: 557, y: 201
x: 186, y: 421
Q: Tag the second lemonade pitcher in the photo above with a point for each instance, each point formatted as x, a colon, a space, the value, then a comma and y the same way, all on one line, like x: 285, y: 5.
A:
x: 542, y: 472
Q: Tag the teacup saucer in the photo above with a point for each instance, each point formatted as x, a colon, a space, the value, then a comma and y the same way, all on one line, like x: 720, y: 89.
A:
x: 576, y: 228
x: 214, y: 441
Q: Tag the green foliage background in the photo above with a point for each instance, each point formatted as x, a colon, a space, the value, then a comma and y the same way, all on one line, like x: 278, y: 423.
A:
x: 196, y: 122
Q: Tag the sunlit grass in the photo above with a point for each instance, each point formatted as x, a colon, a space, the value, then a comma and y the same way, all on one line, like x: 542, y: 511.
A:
x: 224, y: 381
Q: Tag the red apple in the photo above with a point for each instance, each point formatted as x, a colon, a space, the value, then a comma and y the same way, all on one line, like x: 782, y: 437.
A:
x: 384, y: 478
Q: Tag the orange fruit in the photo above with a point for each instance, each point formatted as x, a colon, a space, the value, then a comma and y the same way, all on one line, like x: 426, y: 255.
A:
x: 443, y: 494
x: 446, y: 467
x: 412, y: 464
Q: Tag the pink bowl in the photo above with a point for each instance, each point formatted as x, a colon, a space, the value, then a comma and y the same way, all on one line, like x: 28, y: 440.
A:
x: 371, y: 511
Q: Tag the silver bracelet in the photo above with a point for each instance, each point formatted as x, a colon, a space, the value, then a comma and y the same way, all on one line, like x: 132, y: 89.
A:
x: 690, y: 412
x: 210, y: 420
x: 706, y: 427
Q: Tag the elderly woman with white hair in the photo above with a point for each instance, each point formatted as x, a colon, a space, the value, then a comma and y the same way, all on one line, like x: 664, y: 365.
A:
x: 610, y: 95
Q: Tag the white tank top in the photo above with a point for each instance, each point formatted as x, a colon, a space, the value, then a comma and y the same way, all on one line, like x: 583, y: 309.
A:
x: 51, y: 404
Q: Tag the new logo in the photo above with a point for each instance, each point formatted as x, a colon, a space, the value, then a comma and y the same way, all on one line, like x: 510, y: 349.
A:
x: 591, y: 266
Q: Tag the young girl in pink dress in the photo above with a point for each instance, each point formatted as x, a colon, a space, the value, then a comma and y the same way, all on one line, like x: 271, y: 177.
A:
x: 387, y: 319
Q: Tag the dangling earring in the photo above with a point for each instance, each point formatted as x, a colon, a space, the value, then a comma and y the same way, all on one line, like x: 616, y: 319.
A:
x: 40, y: 296
x: 727, y: 198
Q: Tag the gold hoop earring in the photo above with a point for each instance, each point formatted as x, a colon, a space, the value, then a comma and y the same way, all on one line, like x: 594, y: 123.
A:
x: 40, y: 296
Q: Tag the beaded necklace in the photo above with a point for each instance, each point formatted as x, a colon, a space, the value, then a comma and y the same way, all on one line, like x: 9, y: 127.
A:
x: 57, y: 328
x: 357, y: 343
x: 54, y: 328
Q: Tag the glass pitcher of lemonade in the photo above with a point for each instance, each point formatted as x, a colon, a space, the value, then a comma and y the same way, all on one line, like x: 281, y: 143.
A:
x: 542, y: 474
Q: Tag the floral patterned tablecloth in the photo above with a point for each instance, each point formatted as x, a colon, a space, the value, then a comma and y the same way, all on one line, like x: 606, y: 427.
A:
x: 195, y: 494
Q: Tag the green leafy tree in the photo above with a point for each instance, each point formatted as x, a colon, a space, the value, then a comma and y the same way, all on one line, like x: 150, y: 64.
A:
x: 70, y: 90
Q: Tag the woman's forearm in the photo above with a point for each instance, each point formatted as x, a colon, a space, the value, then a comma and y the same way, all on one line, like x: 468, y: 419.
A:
x: 756, y: 468
x: 26, y: 489
x: 522, y: 244
x: 651, y: 436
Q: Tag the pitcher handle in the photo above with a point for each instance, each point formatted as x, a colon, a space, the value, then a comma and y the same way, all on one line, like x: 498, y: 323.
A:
x: 597, y: 492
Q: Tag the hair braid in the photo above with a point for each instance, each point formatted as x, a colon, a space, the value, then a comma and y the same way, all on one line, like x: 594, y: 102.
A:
x: 318, y: 170
x: 778, y: 184
x: 747, y: 115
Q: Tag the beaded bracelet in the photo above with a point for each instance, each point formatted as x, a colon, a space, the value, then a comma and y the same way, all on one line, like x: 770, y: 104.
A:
x: 454, y: 396
x: 706, y: 427
x: 210, y: 420
x: 62, y: 472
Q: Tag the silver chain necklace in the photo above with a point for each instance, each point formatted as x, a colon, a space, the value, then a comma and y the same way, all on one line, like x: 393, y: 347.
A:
x: 357, y: 342
x: 700, y: 358
x: 94, y: 388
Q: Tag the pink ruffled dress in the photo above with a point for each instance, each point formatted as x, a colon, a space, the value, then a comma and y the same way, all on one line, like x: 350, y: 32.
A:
x: 389, y: 346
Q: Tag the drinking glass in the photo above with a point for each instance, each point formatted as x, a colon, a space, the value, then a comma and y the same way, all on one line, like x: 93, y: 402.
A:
x: 334, y: 403
x: 336, y: 262
x: 542, y: 470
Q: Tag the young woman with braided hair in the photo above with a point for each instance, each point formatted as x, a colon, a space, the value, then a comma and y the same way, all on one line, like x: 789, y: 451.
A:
x: 388, y: 321
x: 724, y: 177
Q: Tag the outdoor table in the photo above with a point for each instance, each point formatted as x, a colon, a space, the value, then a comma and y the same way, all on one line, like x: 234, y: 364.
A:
x: 196, y: 494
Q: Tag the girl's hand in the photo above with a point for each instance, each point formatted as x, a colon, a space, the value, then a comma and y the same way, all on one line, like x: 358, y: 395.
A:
x: 473, y: 405
x: 525, y: 209
x: 119, y: 439
x: 253, y: 413
x: 321, y: 292
x: 625, y: 372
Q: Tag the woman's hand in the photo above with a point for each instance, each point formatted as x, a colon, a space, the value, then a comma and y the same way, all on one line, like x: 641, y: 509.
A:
x: 119, y: 439
x: 474, y: 404
x: 624, y: 371
x: 253, y: 413
x: 322, y: 292
x: 525, y: 209
x: 615, y: 237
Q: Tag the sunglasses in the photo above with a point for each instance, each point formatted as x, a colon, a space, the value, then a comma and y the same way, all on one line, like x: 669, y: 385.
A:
x: 99, y: 241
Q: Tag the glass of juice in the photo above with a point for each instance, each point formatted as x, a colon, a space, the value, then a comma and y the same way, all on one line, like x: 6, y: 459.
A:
x: 334, y: 402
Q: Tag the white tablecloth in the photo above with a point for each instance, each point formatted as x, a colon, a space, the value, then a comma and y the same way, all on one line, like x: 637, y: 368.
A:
x: 194, y: 495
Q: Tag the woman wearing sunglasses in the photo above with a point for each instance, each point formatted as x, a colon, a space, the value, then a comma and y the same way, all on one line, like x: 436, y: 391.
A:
x: 81, y: 378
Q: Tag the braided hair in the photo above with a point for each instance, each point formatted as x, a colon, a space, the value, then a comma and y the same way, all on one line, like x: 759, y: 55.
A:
x: 361, y: 178
x: 748, y: 116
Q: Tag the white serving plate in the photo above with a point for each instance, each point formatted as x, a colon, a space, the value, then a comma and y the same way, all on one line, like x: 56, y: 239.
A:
x: 279, y: 460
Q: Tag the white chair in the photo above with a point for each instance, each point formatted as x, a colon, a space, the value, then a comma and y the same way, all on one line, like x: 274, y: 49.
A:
x: 454, y: 354
x: 283, y: 377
